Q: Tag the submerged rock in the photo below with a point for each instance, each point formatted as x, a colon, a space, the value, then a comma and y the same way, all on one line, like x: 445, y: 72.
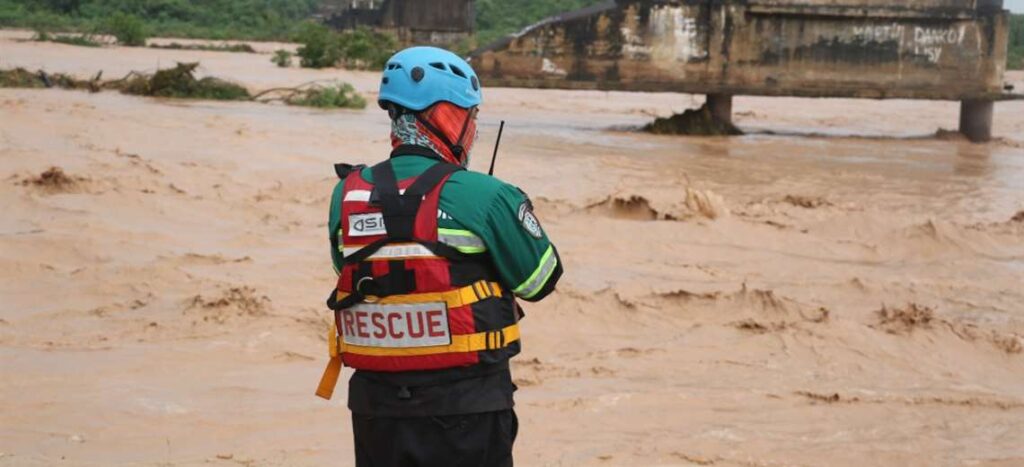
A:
x: 694, y: 122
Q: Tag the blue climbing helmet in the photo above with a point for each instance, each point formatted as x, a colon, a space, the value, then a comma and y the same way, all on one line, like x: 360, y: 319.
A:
x: 419, y: 77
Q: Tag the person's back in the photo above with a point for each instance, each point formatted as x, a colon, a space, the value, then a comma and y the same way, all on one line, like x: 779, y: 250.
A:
x: 430, y: 259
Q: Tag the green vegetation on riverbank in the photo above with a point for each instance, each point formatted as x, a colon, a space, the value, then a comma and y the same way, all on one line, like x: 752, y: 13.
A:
x: 242, y: 19
x: 497, y: 18
x: 1016, y: 61
x: 361, y: 48
x: 206, y: 19
x: 82, y: 40
x: 277, y: 19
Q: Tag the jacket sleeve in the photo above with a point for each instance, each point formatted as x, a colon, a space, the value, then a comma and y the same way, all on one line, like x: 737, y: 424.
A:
x: 520, y: 249
x: 334, y: 227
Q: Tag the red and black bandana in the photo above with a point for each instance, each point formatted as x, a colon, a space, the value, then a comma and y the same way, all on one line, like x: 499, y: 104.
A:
x: 452, y: 121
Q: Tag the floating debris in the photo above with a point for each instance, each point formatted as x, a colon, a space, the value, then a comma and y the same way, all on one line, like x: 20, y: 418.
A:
x: 806, y: 202
x: 232, y: 303
x: 904, y: 320
x: 22, y: 78
x: 238, y: 48
x: 180, y: 82
x: 54, y: 180
x: 325, y: 96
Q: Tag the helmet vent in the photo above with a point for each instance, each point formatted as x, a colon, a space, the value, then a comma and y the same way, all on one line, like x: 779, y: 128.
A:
x: 394, y: 66
x: 439, y: 66
x: 457, y: 70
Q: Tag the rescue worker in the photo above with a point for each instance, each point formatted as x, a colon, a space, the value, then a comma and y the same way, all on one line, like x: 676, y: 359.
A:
x: 430, y: 260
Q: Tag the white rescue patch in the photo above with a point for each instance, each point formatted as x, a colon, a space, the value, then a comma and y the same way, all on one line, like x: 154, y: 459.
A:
x: 529, y: 221
x: 396, y: 326
x: 366, y: 225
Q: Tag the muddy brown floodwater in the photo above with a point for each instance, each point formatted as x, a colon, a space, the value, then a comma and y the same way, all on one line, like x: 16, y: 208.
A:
x: 838, y: 287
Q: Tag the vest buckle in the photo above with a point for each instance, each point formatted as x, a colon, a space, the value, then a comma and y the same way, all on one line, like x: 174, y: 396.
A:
x: 368, y: 295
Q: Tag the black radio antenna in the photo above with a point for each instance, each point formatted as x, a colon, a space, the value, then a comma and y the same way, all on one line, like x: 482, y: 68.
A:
x: 497, y: 143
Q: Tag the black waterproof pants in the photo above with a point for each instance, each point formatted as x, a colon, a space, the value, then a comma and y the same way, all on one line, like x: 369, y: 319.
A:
x: 472, y: 440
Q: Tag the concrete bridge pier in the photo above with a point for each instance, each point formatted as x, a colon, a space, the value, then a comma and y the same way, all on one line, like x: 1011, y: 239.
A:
x: 976, y: 119
x: 720, y: 106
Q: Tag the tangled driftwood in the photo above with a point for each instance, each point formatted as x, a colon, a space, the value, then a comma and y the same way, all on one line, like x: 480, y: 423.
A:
x: 180, y: 82
x: 325, y: 94
x: 22, y: 78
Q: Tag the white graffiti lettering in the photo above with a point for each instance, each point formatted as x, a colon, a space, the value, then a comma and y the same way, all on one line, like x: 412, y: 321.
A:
x: 879, y: 33
x: 930, y: 42
x: 939, y: 36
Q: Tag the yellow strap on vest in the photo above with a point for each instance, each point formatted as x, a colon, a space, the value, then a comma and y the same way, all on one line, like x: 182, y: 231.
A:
x: 467, y: 295
x: 333, y: 371
x: 330, y: 378
x: 488, y: 340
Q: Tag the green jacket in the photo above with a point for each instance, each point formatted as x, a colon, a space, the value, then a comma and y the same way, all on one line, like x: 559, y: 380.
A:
x: 480, y: 214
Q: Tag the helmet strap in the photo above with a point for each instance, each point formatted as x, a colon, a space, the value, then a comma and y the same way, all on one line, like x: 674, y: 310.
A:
x: 395, y: 111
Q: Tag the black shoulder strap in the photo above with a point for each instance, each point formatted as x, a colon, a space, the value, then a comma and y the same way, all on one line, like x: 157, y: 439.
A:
x: 400, y: 209
x: 431, y: 177
x: 384, y: 181
x: 366, y: 251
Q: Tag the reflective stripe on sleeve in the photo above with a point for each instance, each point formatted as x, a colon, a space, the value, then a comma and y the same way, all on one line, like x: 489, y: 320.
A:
x: 462, y: 240
x: 540, y: 276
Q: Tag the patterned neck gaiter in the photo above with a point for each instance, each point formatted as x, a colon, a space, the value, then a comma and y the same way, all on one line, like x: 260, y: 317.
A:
x: 446, y: 118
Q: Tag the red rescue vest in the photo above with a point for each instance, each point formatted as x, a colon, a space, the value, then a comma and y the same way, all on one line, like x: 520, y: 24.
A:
x: 404, y: 301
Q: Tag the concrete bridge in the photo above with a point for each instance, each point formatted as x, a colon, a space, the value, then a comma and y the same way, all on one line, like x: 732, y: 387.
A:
x: 879, y: 49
